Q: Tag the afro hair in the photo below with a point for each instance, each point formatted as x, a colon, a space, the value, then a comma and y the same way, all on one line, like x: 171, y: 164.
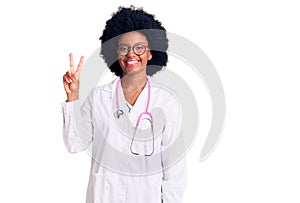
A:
x: 134, y: 19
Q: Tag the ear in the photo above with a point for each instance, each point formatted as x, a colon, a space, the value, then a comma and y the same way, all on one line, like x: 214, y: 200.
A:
x: 149, y: 56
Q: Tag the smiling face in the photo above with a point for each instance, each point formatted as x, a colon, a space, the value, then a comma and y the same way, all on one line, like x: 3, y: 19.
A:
x: 133, y: 62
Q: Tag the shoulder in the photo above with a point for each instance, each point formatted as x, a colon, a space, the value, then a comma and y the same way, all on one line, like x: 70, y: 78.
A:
x: 108, y: 87
x: 101, y: 92
x: 162, y: 92
x: 166, y: 99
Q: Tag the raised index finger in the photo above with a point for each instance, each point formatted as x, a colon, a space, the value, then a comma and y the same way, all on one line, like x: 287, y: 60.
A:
x: 71, y: 63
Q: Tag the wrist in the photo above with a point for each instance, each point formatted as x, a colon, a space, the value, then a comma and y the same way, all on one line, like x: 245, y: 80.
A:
x: 71, y: 98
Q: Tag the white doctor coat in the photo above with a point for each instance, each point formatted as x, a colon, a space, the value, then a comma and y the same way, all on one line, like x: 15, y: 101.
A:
x: 94, y: 122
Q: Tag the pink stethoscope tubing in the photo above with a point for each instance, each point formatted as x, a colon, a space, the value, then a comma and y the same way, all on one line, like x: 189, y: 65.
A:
x: 120, y: 112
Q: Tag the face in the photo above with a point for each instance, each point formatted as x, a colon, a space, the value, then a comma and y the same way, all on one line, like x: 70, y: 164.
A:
x: 133, y: 53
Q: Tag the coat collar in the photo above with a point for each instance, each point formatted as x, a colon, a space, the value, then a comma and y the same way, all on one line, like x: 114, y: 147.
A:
x: 111, y: 87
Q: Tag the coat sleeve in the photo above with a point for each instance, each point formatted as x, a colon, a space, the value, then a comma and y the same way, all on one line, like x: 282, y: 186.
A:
x: 77, y: 124
x: 173, y: 156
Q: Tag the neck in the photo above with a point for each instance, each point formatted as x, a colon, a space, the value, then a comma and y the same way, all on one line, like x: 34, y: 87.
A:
x: 133, y: 81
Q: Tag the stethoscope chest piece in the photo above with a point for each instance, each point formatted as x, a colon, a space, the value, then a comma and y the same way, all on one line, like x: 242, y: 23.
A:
x: 119, y: 114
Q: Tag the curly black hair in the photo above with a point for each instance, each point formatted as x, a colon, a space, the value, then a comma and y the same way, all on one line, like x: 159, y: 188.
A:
x: 134, y: 19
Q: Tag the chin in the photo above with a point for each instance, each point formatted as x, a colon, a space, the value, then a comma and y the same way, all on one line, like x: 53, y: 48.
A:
x: 133, y: 70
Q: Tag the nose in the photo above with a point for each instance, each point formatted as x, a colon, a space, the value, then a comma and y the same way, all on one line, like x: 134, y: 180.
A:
x: 130, y: 52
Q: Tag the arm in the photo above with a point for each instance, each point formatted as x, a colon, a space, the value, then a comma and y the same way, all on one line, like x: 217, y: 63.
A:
x: 77, y: 125
x: 77, y: 122
x: 173, y: 160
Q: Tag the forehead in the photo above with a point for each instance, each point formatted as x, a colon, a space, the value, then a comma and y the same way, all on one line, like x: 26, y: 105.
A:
x: 132, y: 38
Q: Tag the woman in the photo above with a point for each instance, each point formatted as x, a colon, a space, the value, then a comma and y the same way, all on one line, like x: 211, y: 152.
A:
x: 131, y: 123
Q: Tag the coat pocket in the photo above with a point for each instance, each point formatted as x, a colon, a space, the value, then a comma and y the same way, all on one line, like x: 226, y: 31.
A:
x: 95, y: 191
x: 115, y: 188
x: 106, y: 187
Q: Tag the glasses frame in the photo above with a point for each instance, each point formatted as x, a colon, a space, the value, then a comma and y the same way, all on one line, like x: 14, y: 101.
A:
x: 132, y: 48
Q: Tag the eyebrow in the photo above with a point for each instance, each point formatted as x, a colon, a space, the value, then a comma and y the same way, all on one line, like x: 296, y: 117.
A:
x: 129, y: 45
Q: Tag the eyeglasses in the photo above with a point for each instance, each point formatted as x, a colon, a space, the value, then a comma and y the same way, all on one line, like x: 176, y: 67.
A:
x: 138, y: 49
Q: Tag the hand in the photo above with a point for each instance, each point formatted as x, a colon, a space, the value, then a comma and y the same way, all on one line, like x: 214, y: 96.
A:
x: 71, y: 79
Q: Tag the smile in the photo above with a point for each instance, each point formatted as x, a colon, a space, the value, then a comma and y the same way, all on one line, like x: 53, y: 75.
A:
x: 132, y: 62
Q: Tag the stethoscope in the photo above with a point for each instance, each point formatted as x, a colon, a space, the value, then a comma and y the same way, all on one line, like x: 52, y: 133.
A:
x: 120, y: 113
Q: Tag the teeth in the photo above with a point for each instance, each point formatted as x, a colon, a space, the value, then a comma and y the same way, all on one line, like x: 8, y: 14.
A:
x: 132, y: 62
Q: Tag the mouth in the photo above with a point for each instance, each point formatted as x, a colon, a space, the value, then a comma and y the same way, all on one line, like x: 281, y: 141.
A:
x: 132, y: 62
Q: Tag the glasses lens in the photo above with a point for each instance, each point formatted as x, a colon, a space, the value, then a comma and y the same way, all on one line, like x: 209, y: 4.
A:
x: 123, y: 50
x: 139, y: 49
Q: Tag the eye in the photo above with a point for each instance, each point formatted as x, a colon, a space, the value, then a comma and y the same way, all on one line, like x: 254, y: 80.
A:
x: 139, y: 48
x: 123, y: 48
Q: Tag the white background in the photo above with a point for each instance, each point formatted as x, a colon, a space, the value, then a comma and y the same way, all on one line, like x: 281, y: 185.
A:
x: 254, y: 46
